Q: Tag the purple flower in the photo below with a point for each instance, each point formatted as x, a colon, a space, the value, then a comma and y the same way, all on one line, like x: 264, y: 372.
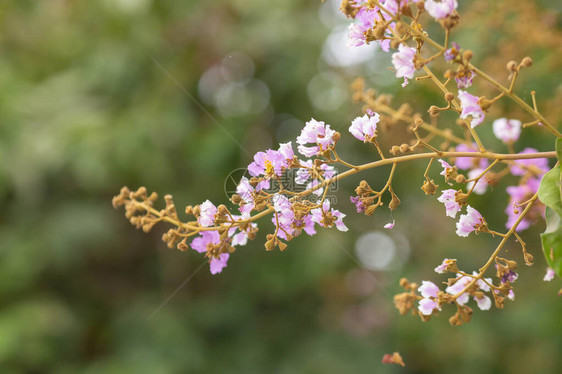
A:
x: 446, y: 167
x: 510, y: 277
x: 427, y: 306
x: 268, y: 164
x: 217, y: 264
x: 326, y: 217
x: 204, y: 240
x: 207, y: 214
x: 363, y: 128
x: 317, y: 133
x: 452, y: 52
x: 451, y: 206
x: 469, y: 222
x: 403, y: 62
x: 507, y: 130
x: 549, y: 275
x: 442, y: 269
x: 359, y: 206
x: 539, y: 163
x: 481, y: 185
x: 471, y: 108
x: 439, y: 10
x: 306, y: 224
x: 464, y: 80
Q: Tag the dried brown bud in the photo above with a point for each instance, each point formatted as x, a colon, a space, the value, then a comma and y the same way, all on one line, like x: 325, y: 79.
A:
x: 434, y: 110
x: 236, y: 199
x: 394, y: 202
x: 282, y: 246
x: 467, y: 55
x: 370, y: 209
x: 429, y: 187
x: 404, y: 283
x: 526, y: 62
x: 460, y: 179
x: 269, y: 245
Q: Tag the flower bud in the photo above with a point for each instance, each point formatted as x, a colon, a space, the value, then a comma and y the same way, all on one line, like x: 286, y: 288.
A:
x: 460, y: 178
x: 394, y: 150
x: 526, y: 62
x: 511, y: 65
x: 467, y: 55
x: 449, y: 96
x: 404, y: 148
x: 434, y: 110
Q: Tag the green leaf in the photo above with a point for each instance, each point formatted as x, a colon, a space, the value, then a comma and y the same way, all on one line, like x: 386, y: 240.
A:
x: 550, y: 192
x: 552, y: 241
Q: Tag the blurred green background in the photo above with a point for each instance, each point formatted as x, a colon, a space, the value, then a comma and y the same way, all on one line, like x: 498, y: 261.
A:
x: 96, y: 95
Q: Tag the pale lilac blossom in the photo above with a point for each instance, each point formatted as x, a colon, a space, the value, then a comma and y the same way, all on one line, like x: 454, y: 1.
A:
x: 442, y: 269
x: 428, y: 289
x: 469, y: 222
x: 448, y: 199
x: 465, y: 163
x: 427, y: 306
x: 484, y: 303
x: 217, y: 264
x: 267, y: 164
x: 440, y: 9
x: 470, y: 107
x: 403, y: 62
x: 318, y: 216
x: 389, y: 225
x: 464, y: 80
x: 540, y: 164
x: 452, y: 52
x: 549, y: 275
x: 517, y: 195
x: 507, y: 130
x: 481, y: 185
x: 363, y: 128
x: 459, y: 286
x: 207, y: 214
x: 317, y: 133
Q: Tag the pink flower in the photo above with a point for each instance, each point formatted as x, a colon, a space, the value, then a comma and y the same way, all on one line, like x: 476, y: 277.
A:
x: 207, y: 214
x: 441, y: 9
x: 451, y: 206
x: 507, y: 130
x: 459, y: 286
x: 284, y: 217
x: 517, y: 195
x: 484, y: 303
x: 217, y: 264
x: 471, y: 108
x: 539, y: 163
x: 319, y: 214
x: 464, y: 80
x: 365, y: 19
x: 204, y: 240
x: 481, y: 185
x: 317, y: 133
x: 363, y: 128
x: 469, y: 162
x: 389, y: 225
x: 427, y: 306
x: 268, y: 164
x: 304, y: 175
x: 549, y: 275
x: 428, y: 289
x: 286, y: 150
x: 442, y: 269
x: 469, y: 222
x: 452, y: 52
x: 403, y: 62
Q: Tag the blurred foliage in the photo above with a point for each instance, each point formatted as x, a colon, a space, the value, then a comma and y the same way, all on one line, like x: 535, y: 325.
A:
x: 96, y: 95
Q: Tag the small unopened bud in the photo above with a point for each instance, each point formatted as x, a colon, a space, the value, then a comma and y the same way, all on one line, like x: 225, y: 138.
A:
x: 236, y: 199
x: 512, y: 265
x: 404, y: 283
x: 434, y: 110
x: 182, y: 246
x: 511, y: 65
x: 269, y: 245
x: 336, y: 136
x: 418, y: 122
x: 484, y: 103
x: 467, y: 55
x: 420, y: 5
x: 394, y: 150
x: 449, y: 96
x: 394, y: 43
x: 460, y: 179
x: 189, y: 210
x: 404, y: 148
x: 254, y: 181
x: 282, y: 246
x: 526, y: 62
x: 528, y: 258
x: 370, y: 210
